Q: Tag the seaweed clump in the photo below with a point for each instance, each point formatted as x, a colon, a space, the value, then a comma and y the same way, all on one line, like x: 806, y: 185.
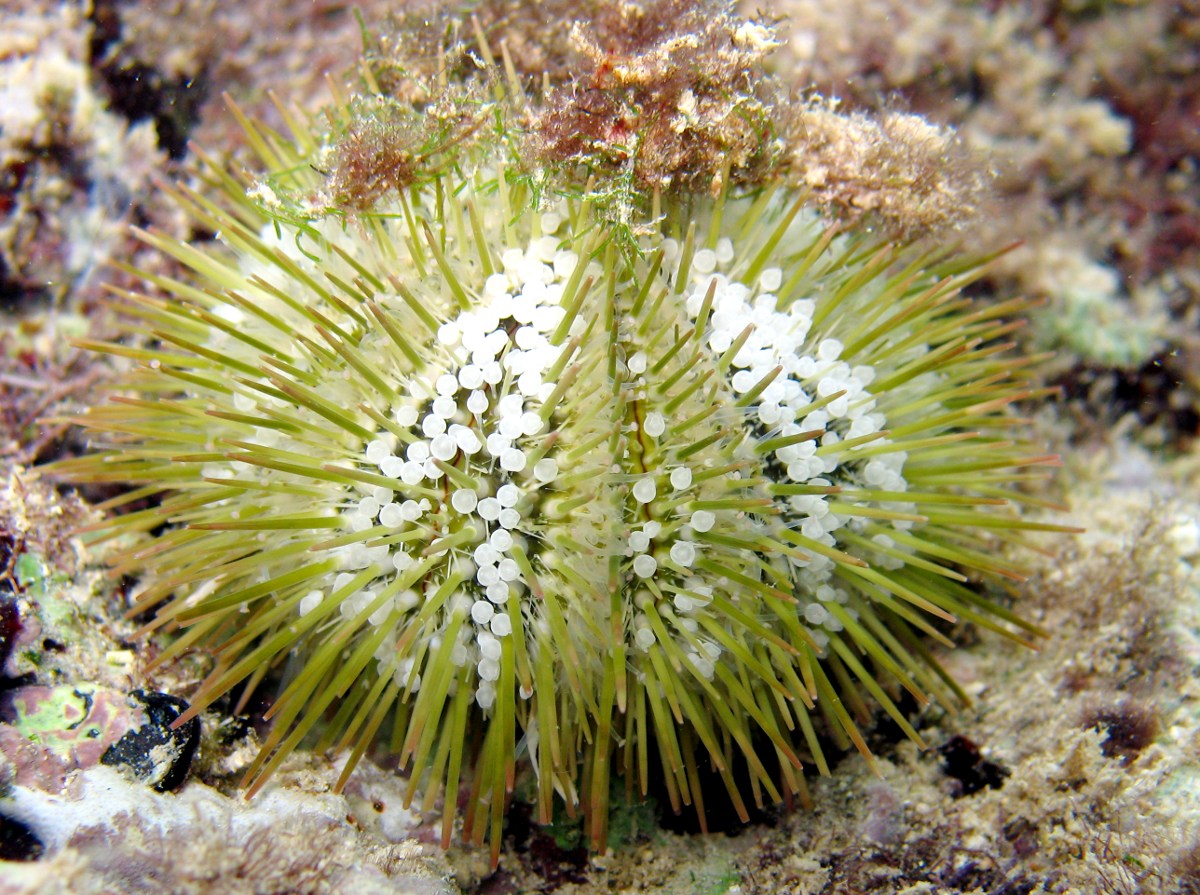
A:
x: 668, y: 97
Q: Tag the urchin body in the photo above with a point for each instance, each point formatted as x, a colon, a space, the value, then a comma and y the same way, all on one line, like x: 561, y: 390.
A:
x: 523, y: 492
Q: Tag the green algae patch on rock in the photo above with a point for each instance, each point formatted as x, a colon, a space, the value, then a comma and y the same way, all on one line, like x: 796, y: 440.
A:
x: 77, y: 722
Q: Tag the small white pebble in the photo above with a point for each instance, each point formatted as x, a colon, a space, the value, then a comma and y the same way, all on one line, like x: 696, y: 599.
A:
x: 486, y: 554
x: 768, y: 414
x: 443, y: 447
x: 512, y: 460
x: 531, y: 422
x: 829, y: 349
x: 470, y: 377
x: 1184, y: 536
x: 510, y: 405
x: 511, y: 259
x: 743, y: 381
x: 645, y: 565
x: 529, y: 382
x: 468, y: 442
x: 463, y: 500
x: 310, y: 601
x: 510, y: 427
x: 704, y: 261
x: 489, y: 670
x: 770, y: 279
x: 683, y: 552
x: 489, y: 646
x: 390, y: 515
x: 703, y: 666
x: 644, y: 490
x: 477, y: 402
x: 497, y: 444
x: 377, y: 451
x: 526, y: 338
x: 546, y: 319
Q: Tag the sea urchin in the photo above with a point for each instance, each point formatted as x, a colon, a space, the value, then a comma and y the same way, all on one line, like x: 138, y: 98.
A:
x: 531, y: 487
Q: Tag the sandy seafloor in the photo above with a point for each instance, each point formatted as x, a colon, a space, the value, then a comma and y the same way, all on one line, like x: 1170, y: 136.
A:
x: 1087, y: 747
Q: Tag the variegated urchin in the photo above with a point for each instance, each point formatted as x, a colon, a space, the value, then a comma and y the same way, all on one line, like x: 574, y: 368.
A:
x: 528, y: 489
